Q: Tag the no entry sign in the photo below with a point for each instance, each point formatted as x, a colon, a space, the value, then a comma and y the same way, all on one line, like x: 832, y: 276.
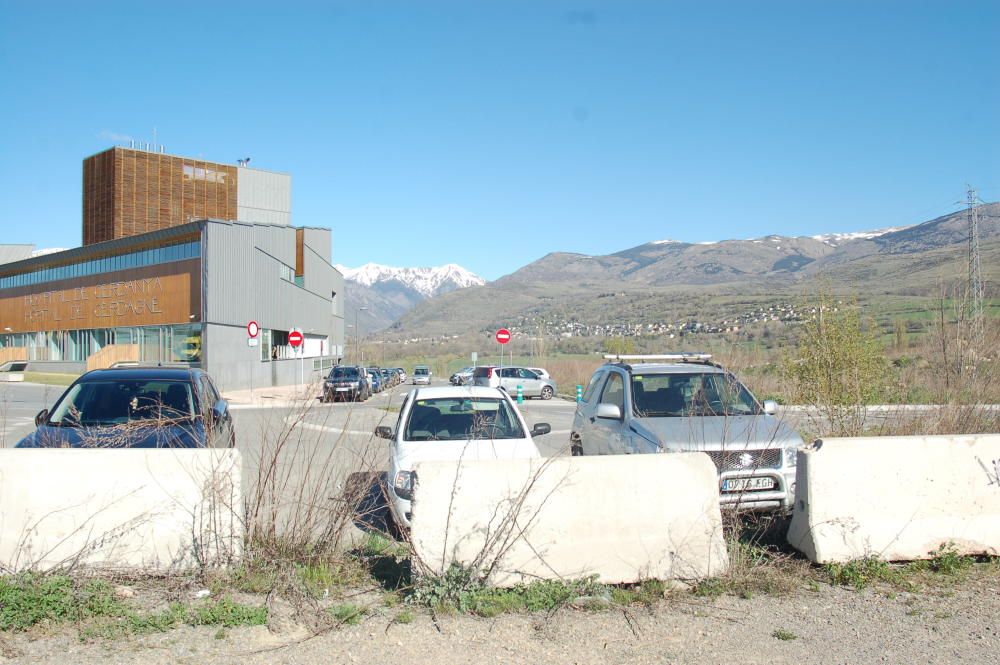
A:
x: 253, y: 329
x: 503, y: 336
x: 295, y: 339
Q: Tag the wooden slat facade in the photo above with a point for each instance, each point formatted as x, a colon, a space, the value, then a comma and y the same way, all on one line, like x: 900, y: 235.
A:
x: 127, y: 192
x: 162, y: 294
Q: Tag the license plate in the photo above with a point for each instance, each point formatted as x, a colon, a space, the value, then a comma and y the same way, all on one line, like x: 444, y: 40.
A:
x: 747, y: 484
x: 342, y: 390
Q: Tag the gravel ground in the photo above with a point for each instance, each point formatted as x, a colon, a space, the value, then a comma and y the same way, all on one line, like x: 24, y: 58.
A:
x: 950, y: 623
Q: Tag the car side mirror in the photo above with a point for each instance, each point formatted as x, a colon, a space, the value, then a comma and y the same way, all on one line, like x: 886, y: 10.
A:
x: 220, y: 409
x: 609, y: 411
x: 41, y: 416
x: 383, y: 432
x: 770, y: 407
x: 541, y: 428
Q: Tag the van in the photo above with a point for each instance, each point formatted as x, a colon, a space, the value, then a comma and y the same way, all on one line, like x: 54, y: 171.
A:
x: 421, y: 375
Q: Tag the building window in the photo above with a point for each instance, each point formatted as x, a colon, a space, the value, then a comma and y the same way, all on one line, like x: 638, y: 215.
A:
x: 146, y: 257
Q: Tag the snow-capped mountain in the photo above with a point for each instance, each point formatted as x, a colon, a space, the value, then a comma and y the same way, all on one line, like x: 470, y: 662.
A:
x: 837, y: 239
x: 428, y: 282
x: 385, y: 293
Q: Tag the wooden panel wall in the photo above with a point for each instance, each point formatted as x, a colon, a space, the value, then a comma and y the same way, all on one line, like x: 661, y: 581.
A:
x: 163, y: 294
x: 127, y: 192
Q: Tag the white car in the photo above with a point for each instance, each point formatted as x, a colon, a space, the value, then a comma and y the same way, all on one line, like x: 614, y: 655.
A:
x: 452, y: 423
x: 421, y: 375
x: 541, y: 372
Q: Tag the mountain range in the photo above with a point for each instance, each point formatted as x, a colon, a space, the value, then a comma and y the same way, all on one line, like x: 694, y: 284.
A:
x: 385, y: 293
x: 660, y: 278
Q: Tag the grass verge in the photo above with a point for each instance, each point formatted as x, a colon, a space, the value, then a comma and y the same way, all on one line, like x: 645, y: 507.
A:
x: 29, y: 600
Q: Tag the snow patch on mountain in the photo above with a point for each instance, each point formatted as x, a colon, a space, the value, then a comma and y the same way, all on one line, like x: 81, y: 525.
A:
x: 425, y: 281
x: 836, y: 239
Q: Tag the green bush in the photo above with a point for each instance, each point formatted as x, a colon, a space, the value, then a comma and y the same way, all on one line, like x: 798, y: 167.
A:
x: 838, y: 366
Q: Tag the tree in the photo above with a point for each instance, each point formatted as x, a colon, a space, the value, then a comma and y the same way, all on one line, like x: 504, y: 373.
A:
x: 838, y: 367
x: 619, y: 345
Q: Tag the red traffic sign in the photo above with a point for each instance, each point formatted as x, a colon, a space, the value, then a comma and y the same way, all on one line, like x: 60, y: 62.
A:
x: 503, y: 336
x: 295, y: 339
x: 253, y: 329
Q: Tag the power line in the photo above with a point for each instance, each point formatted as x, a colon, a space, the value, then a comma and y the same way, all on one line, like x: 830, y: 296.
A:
x: 976, y: 314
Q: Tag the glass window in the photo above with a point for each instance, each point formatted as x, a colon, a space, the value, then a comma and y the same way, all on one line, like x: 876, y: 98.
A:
x: 614, y: 391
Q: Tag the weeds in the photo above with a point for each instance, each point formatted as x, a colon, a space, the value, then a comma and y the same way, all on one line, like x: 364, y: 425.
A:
x: 29, y: 600
x: 784, y: 635
x: 861, y: 573
x: 461, y: 590
x: 348, y: 613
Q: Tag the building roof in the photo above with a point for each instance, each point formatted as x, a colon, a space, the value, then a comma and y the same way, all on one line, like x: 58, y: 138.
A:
x: 11, y: 253
x: 101, y: 249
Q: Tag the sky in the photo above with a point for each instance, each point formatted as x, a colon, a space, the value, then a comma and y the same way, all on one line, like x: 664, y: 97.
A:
x: 489, y: 134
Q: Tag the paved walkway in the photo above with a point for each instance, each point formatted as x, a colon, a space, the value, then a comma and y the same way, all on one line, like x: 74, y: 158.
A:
x: 272, y: 396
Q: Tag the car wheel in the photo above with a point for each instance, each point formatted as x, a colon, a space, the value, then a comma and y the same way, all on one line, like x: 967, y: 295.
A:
x: 547, y: 392
x: 576, y: 450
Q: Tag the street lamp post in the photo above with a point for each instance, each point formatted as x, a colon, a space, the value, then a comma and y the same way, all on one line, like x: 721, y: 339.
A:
x: 357, y: 335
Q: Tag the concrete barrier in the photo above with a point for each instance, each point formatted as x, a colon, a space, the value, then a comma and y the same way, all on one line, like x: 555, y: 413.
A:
x: 621, y: 518
x: 897, y: 498
x: 156, y: 510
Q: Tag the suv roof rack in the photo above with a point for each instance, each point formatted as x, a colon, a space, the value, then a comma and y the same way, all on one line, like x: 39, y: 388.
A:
x: 674, y: 357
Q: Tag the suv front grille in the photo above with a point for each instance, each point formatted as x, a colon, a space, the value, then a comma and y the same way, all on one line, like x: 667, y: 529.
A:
x: 746, y: 460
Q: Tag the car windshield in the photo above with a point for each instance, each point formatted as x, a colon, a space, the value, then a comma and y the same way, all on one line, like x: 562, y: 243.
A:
x: 695, y: 394
x: 459, y: 418
x: 344, y: 373
x: 420, y: 371
x: 107, y: 403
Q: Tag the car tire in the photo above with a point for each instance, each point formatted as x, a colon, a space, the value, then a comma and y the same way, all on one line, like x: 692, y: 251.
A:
x: 547, y: 392
x: 576, y: 450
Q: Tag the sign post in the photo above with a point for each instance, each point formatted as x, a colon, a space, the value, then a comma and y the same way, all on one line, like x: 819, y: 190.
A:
x: 252, y: 331
x: 502, y: 337
x: 295, y: 340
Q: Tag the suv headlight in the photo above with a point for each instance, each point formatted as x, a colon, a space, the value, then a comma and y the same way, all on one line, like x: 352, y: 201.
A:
x: 402, y: 484
x: 791, y: 456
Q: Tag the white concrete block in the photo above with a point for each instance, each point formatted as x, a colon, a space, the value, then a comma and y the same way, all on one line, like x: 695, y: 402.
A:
x: 897, y: 498
x: 152, y: 510
x: 622, y: 518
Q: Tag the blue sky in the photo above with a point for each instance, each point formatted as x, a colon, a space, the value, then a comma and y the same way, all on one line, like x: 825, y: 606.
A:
x: 491, y: 133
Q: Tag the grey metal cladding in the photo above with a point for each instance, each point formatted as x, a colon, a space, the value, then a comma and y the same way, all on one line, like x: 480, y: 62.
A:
x: 263, y: 197
x: 243, y: 276
x: 320, y: 240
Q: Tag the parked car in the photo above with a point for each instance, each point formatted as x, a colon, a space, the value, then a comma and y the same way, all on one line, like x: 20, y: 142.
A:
x: 421, y: 375
x: 509, y: 378
x: 389, y: 377
x: 375, y: 378
x: 687, y: 403
x: 540, y: 372
x: 347, y: 382
x: 452, y: 423
x: 402, y: 374
x: 136, y: 407
x: 462, y: 377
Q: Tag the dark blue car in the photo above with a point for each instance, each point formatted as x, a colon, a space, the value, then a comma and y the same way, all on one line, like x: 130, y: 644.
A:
x: 136, y: 407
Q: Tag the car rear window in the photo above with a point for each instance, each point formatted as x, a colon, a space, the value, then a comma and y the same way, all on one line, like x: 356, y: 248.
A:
x: 460, y: 418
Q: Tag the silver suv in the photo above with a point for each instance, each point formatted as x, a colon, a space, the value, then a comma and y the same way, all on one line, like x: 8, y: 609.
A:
x: 686, y: 403
x: 509, y: 378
